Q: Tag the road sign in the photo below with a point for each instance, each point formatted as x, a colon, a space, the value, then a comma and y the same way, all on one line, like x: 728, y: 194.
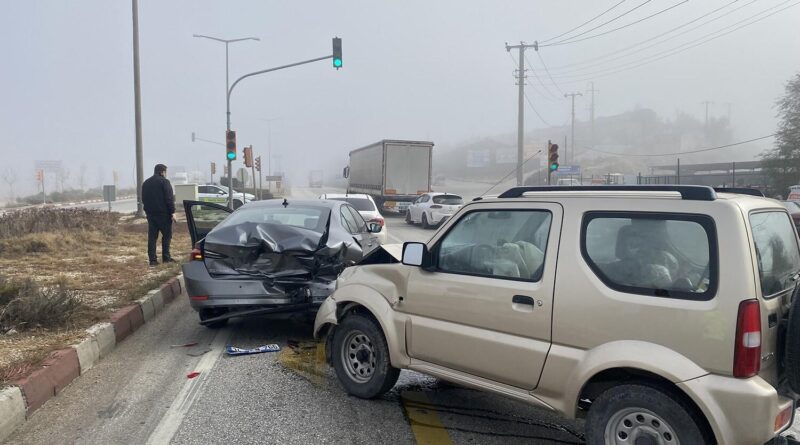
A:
x: 48, y: 166
x: 109, y: 193
x: 568, y: 170
x: 477, y: 158
x: 273, y: 178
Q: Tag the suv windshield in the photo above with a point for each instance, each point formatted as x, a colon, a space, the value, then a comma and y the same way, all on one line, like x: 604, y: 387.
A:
x: 776, y: 249
x: 306, y: 217
x: 450, y: 200
x: 361, y: 204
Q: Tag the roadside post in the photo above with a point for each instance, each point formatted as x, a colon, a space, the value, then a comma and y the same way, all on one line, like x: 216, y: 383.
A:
x: 109, y: 194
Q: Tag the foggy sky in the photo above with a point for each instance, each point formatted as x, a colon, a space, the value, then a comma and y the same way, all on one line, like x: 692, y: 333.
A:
x: 433, y: 70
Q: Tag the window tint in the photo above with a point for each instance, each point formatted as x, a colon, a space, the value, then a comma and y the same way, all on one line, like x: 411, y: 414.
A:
x: 362, y: 204
x: 652, y: 254
x: 450, y: 200
x: 425, y: 198
x: 361, y: 225
x: 503, y: 244
x: 348, y: 221
x: 309, y: 218
x: 776, y: 250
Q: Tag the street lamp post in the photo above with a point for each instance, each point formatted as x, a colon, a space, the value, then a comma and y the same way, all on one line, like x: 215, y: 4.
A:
x: 227, y: 88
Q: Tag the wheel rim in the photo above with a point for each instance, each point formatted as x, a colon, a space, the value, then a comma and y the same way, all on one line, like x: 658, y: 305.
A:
x: 358, y: 356
x: 638, y: 426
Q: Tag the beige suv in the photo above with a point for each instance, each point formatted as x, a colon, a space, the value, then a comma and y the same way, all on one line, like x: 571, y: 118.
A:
x: 660, y: 314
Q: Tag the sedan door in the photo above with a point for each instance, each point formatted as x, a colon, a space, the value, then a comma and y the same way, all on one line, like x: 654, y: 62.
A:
x: 203, y: 216
x: 484, y: 306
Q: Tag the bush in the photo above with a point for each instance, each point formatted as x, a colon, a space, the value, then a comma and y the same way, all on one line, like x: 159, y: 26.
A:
x: 39, y: 220
x: 33, y: 306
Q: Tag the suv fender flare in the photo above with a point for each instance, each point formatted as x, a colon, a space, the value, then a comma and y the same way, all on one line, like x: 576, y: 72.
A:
x: 637, y: 355
x: 352, y: 296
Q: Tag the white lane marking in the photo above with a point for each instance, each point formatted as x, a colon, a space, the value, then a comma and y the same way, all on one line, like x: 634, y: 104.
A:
x: 191, y: 389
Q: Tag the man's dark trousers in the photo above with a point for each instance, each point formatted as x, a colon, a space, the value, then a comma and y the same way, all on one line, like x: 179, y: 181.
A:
x: 159, y: 223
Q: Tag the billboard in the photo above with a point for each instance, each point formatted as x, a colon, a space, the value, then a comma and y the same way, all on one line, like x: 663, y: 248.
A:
x: 477, y: 158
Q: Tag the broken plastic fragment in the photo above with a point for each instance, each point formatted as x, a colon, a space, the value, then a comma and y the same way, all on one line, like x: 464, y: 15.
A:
x: 233, y: 350
x: 185, y: 345
x: 192, y: 375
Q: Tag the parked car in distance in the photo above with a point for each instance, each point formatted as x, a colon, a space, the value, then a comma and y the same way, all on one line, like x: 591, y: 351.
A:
x: 660, y: 314
x: 433, y: 209
x: 273, y: 256
x: 219, y: 194
x: 365, y: 206
x: 794, y: 211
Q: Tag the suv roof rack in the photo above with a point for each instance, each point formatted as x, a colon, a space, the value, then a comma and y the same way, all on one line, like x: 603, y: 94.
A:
x: 740, y: 191
x: 688, y: 192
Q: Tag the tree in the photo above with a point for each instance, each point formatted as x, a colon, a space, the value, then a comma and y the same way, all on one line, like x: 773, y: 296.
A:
x: 82, y: 177
x: 10, y: 177
x: 63, y: 177
x: 783, y: 161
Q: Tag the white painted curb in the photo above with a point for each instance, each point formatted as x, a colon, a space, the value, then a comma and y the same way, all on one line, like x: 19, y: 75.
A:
x: 157, y: 298
x: 106, y: 339
x: 12, y: 411
x: 148, y: 310
x: 88, y: 353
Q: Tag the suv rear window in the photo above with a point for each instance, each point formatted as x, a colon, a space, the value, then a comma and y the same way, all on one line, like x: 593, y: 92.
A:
x: 451, y: 200
x: 655, y: 254
x: 776, y: 251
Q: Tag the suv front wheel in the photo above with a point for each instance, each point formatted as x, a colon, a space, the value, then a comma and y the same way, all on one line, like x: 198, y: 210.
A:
x: 641, y: 414
x: 361, y: 358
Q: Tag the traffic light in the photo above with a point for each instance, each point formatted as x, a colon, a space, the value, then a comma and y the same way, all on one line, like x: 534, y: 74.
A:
x: 337, y: 53
x: 552, y: 156
x: 39, y: 175
x: 230, y: 145
x: 258, y: 163
x: 248, y: 156
x: 213, y: 168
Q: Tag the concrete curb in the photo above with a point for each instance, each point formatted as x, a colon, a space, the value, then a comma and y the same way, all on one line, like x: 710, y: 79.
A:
x: 18, y: 402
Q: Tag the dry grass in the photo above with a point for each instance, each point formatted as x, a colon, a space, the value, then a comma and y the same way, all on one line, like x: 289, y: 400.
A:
x: 99, y: 260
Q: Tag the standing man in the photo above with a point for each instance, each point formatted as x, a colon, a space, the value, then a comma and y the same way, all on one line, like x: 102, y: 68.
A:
x: 159, y: 205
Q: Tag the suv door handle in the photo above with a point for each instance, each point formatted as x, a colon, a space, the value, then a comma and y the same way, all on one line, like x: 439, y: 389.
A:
x: 522, y: 299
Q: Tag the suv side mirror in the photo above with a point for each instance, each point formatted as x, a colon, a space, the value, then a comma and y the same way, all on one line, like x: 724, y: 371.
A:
x: 375, y: 228
x: 416, y: 254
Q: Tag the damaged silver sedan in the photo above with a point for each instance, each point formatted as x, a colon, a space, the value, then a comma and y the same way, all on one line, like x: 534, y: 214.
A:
x: 269, y: 257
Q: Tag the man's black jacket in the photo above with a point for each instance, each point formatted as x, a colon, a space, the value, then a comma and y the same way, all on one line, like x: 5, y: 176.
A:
x: 157, y: 196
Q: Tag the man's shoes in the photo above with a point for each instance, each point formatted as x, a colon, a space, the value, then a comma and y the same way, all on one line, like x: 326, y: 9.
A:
x: 168, y: 260
x: 153, y: 263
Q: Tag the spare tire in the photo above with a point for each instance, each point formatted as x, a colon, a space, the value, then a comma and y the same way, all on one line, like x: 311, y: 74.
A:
x: 791, y: 340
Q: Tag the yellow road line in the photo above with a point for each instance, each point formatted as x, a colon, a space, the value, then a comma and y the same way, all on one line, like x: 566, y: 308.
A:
x: 425, y: 422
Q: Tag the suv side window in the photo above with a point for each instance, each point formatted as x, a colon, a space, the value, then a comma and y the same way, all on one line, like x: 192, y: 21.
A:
x: 348, y: 221
x: 497, y: 243
x: 655, y: 254
x: 776, y: 251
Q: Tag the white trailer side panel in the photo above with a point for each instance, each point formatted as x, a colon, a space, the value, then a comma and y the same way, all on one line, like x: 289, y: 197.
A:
x: 407, y: 168
x: 366, y: 170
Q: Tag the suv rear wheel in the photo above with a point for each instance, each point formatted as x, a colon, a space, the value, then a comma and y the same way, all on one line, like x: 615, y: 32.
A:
x: 361, y: 358
x: 634, y: 413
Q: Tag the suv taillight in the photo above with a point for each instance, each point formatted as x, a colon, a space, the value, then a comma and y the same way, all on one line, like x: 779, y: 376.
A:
x: 747, y: 352
x: 196, y: 255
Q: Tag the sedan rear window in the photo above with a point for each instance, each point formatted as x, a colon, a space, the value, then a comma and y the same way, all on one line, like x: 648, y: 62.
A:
x: 307, y: 217
x: 361, y: 204
x: 449, y: 200
x: 776, y: 250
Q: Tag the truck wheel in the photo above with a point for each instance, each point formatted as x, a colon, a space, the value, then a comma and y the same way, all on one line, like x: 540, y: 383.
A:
x: 638, y: 413
x: 425, y: 224
x: 361, y: 358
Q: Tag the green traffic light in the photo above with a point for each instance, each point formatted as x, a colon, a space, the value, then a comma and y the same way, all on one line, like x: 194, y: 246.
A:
x: 231, y: 156
x: 553, y: 167
x: 337, y: 63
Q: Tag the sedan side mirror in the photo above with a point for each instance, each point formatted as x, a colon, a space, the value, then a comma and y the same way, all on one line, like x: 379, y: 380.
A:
x: 416, y: 254
x: 375, y: 228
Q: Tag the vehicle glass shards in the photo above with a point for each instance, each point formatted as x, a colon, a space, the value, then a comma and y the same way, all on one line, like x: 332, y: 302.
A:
x: 450, y: 200
x: 361, y: 204
x: 776, y: 251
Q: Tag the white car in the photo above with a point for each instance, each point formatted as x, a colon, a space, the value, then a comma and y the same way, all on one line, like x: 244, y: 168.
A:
x: 432, y: 209
x: 366, y: 208
x: 219, y: 194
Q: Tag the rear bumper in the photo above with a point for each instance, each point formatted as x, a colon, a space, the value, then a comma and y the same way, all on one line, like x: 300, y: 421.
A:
x: 440, y: 218
x: 740, y: 411
x: 206, y: 292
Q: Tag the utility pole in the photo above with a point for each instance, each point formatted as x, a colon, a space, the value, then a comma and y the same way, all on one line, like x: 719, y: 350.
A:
x: 706, y: 103
x: 137, y: 101
x: 572, y: 138
x: 521, y: 102
x: 592, y: 91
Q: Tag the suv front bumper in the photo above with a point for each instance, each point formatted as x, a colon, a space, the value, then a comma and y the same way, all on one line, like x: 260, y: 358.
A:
x: 740, y: 411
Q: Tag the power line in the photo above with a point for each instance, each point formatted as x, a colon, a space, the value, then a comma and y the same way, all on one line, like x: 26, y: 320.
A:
x: 700, y: 150
x: 676, y: 50
x: 605, y: 23
x: 605, y: 58
x: 523, y: 76
x: 536, y: 111
x: 567, y: 42
x: 548, y: 72
x: 546, y: 89
x: 584, y: 23
x: 514, y: 170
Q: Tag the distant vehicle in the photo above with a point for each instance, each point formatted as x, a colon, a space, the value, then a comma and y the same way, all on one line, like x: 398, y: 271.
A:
x: 219, y: 194
x: 568, y: 181
x: 273, y: 256
x: 433, y: 209
x: 794, y: 193
x: 315, y: 178
x: 180, y: 178
x: 391, y: 171
x: 366, y: 208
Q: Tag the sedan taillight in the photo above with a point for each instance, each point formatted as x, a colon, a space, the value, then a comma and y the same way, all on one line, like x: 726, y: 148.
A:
x: 196, y: 255
x: 378, y: 220
x: 747, y: 351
